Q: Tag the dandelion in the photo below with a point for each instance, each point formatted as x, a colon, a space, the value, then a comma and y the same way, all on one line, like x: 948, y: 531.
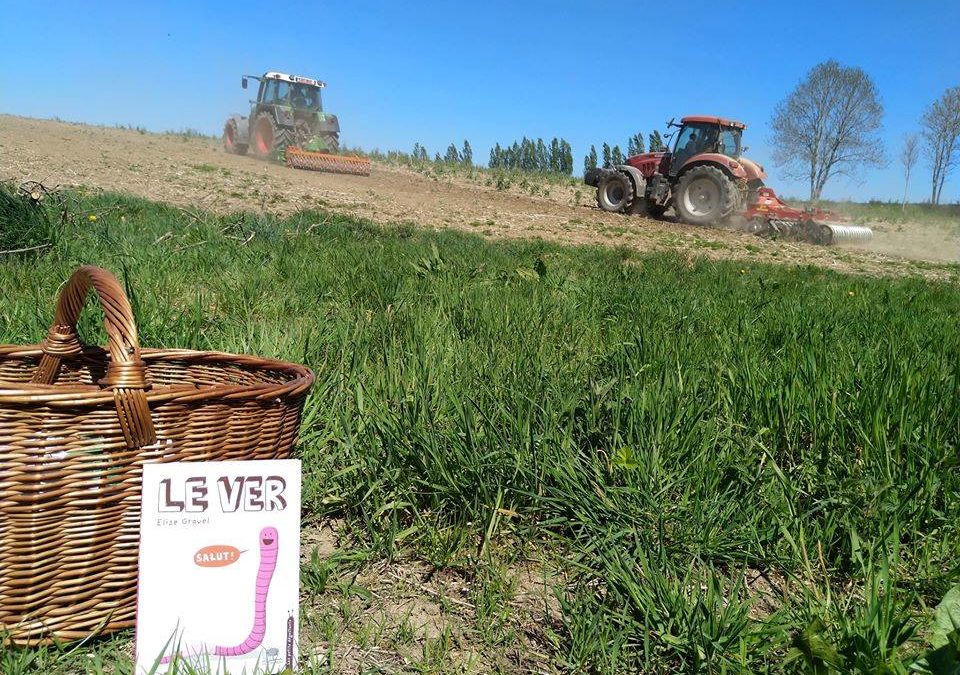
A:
x: 92, y: 218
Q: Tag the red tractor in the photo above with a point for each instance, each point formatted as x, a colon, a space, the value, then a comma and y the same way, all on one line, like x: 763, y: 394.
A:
x: 707, y: 181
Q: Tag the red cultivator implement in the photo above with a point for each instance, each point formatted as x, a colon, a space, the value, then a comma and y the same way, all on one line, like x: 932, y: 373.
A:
x: 770, y: 216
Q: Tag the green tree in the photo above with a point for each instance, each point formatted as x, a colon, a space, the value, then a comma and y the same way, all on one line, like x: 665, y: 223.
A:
x: 496, y: 157
x: 542, y: 157
x: 590, y: 159
x: 635, y: 145
x: 556, y: 159
x: 466, y: 155
x: 528, y: 155
x: 566, y: 153
x: 616, y: 155
x: 606, y: 154
x: 656, y: 143
x: 453, y: 155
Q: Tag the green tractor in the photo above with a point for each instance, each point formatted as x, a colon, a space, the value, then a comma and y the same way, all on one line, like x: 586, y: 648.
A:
x: 288, y: 112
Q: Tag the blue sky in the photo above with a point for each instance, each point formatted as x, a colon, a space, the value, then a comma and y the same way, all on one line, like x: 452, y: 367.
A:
x: 402, y: 72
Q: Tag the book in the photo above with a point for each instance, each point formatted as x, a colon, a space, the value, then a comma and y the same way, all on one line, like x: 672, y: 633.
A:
x: 219, y: 574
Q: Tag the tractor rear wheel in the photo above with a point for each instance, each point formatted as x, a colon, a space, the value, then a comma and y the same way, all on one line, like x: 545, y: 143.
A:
x: 333, y: 142
x: 705, y: 196
x: 230, y: 136
x: 615, y: 192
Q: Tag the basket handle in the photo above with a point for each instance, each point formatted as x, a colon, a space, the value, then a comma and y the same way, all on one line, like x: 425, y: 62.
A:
x: 126, y: 372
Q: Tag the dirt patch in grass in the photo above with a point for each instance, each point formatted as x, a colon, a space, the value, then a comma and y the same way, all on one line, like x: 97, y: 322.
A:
x: 406, y: 615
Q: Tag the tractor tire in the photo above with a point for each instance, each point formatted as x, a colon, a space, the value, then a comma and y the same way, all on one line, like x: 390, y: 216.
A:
x: 268, y: 140
x: 230, y: 143
x: 706, y: 196
x: 333, y: 142
x: 615, y: 192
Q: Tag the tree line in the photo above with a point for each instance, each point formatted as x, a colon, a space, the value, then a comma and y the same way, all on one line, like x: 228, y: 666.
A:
x: 462, y: 156
x: 524, y: 155
x: 829, y: 125
x: 534, y: 156
x: 614, y: 156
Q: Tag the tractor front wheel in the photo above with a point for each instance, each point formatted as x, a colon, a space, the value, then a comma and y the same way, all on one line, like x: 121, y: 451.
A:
x: 705, y: 196
x: 263, y: 136
x: 615, y: 192
x: 230, y: 139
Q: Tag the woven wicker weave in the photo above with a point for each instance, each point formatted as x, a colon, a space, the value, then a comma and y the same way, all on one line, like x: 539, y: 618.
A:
x: 76, y: 425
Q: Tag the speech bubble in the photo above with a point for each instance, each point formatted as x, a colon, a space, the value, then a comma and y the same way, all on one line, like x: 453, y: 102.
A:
x: 217, y: 555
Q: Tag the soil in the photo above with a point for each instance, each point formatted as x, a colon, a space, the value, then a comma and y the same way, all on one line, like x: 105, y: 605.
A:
x: 405, y: 615
x: 191, y: 172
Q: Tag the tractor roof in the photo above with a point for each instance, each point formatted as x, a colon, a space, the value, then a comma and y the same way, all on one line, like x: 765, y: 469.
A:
x: 272, y: 75
x: 709, y: 119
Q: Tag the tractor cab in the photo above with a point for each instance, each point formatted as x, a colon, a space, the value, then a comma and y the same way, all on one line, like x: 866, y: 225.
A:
x: 288, y: 90
x: 700, y: 135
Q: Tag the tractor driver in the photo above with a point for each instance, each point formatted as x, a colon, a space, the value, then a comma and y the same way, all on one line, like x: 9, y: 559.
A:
x: 304, y: 96
x: 690, y: 148
x: 709, y: 140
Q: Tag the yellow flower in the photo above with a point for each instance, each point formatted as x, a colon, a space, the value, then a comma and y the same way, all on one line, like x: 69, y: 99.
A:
x: 850, y: 293
x: 92, y: 218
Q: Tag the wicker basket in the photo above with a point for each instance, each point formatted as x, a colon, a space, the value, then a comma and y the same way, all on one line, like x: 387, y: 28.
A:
x: 76, y: 425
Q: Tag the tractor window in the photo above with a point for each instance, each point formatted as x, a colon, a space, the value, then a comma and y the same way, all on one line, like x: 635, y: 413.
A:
x: 276, y: 92
x: 730, y: 142
x: 306, y: 96
x: 691, y: 141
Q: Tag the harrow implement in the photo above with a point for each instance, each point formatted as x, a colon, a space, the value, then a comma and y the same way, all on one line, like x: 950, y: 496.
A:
x: 321, y: 161
x: 770, y: 216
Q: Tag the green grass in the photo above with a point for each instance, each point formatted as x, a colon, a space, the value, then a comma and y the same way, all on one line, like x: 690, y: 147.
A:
x: 26, y: 223
x: 743, y: 469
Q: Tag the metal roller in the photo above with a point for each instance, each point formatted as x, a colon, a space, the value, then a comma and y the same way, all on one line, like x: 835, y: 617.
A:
x: 841, y: 233
x: 320, y: 161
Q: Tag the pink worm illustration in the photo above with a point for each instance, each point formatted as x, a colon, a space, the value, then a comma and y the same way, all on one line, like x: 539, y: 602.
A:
x: 268, y: 562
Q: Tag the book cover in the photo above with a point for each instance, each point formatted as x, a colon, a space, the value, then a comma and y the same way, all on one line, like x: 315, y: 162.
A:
x: 219, y: 567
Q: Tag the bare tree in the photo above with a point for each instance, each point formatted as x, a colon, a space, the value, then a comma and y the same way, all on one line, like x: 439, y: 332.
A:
x: 941, y: 129
x: 828, y: 126
x: 908, y: 157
